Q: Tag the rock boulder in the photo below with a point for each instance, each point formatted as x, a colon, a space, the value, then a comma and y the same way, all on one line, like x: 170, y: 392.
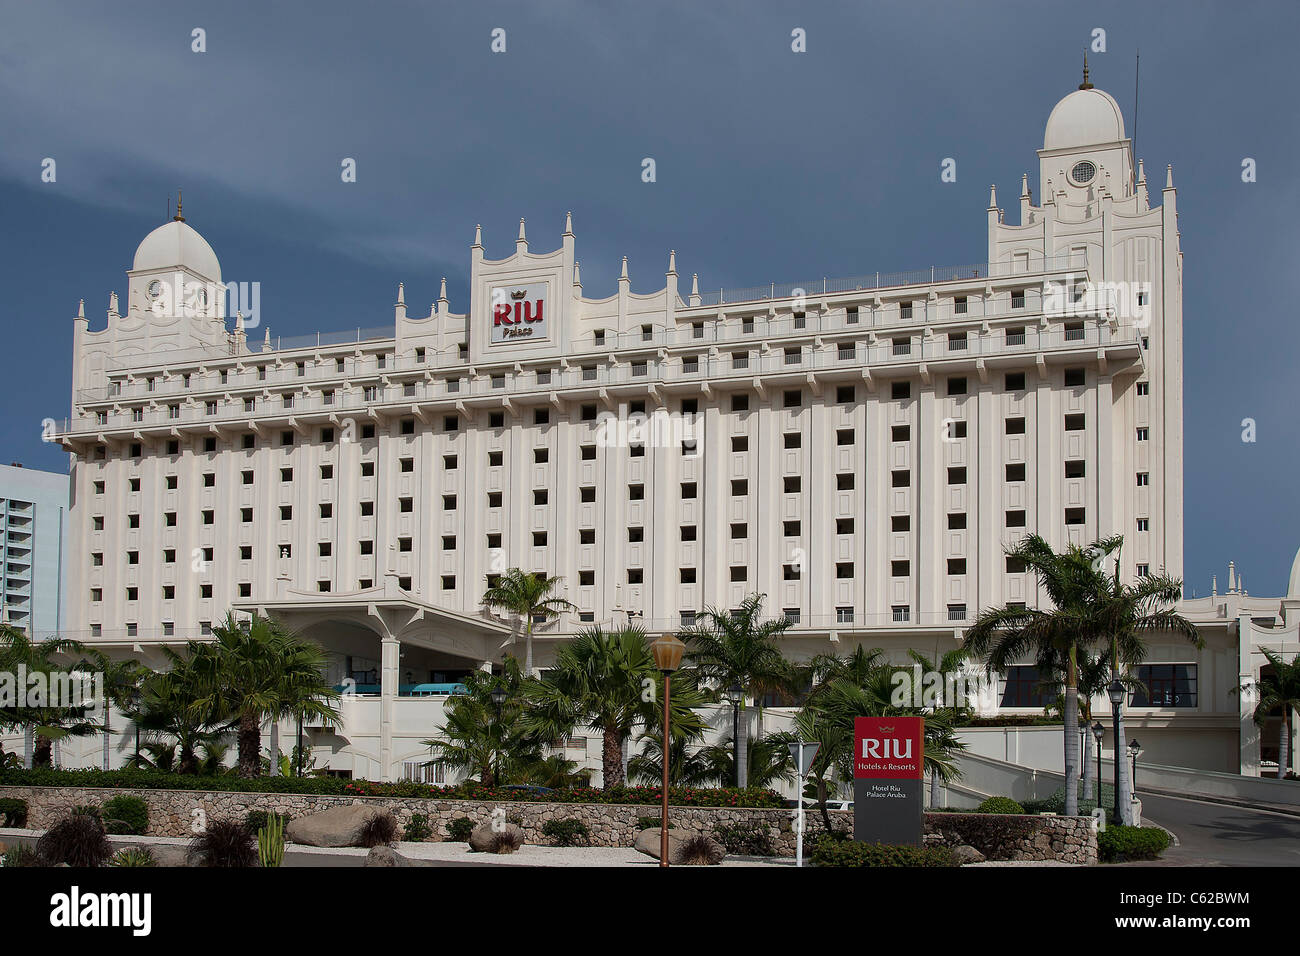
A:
x: 336, y: 826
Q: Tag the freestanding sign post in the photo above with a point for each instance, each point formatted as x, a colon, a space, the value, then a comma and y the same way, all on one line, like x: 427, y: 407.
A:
x: 803, y: 752
x: 888, y: 772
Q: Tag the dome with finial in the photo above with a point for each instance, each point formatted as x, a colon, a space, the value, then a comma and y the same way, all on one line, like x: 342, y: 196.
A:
x: 1087, y: 117
x: 177, y: 244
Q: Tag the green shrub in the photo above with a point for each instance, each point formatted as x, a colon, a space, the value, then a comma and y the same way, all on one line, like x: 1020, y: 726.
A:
x: 831, y: 852
x: 647, y: 823
x: 20, y: 856
x: 257, y: 819
x: 418, y: 830
x: 567, y: 832
x: 1120, y: 843
x: 134, y: 856
x: 746, y: 840
x: 999, y: 805
x: 333, y: 786
x: 125, y: 814
x: 13, y: 812
x: 460, y: 829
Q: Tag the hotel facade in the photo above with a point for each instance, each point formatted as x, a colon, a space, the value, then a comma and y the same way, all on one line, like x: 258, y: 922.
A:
x: 860, y: 450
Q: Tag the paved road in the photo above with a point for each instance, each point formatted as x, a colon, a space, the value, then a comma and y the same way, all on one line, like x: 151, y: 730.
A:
x: 1212, y: 834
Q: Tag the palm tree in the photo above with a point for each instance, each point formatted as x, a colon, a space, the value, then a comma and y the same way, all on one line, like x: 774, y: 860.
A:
x: 1089, y: 609
x: 258, y: 671
x: 608, y: 683
x: 768, y: 758
x: 529, y: 597
x: 686, y: 767
x: 1130, y: 613
x: 482, y: 737
x: 950, y: 663
x: 1279, y: 692
x: 167, y: 711
x: 123, y: 683
x: 738, y: 648
x: 51, y: 718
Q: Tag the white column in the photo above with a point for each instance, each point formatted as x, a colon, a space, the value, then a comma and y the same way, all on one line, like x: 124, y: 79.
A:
x: 389, y: 656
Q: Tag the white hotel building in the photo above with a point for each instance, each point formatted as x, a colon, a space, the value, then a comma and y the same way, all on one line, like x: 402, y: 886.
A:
x: 862, y: 449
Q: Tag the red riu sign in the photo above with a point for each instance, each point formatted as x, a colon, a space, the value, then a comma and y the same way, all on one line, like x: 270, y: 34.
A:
x: 888, y: 748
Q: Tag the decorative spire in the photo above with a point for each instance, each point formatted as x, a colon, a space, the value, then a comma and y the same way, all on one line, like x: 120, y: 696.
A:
x: 993, y: 196
x: 1086, y: 84
x: 623, y: 276
x: 672, y: 262
x: 1169, y: 177
x: 112, y: 303
x: 577, y: 274
x: 522, y: 242
x: 568, y: 223
x: 1142, y: 173
x: 695, y: 283
x: 81, y: 308
x: 239, y: 322
x: 478, y: 237
x: 1024, y: 185
x: 267, y: 338
x: 442, y: 291
x: 178, y: 217
x: 401, y: 293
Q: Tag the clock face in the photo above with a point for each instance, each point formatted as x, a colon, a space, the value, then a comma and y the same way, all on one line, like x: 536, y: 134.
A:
x: 154, y: 290
x: 1082, y: 173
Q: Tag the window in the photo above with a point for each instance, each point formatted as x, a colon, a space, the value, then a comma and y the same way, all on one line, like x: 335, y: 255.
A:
x: 901, y: 613
x: 899, y: 569
x: 900, y: 433
x: 1015, y: 426
x: 793, y: 398
x: 845, y: 352
x: 740, y: 360
x: 851, y: 315
x: 1023, y: 687
x: 1166, y: 685
x: 1144, y: 570
x: 1074, y: 516
x: 900, y: 390
x: 587, y: 494
x: 688, y: 489
x: 687, y: 575
x: 635, y: 492
x: 904, y: 310
x: 1144, y: 388
x: 902, y: 346
x: 956, y: 565
x: 791, y: 572
x: 688, y: 532
x: 1143, y: 479
x: 1017, y: 298
x: 956, y: 612
x: 539, y: 539
x: 844, y: 437
x: 1144, y: 524
x: 1015, y: 472
x: 1074, y: 377
x: 791, y: 615
x: 1074, y: 332
x: 1015, y: 381
x: 1075, y: 468
x: 845, y: 394
x: 792, y: 484
x: 900, y: 523
x: 1074, y: 423
x: 739, y: 443
x: 957, y: 386
x: 844, y: 569
x: 1015, y: 519
x: 959, y: 305
x: 792, y: 356
x: 739, y: 573
x: 901, y: 479
x: 449, y: 502
x: 1144, y: 434
x: 637, y: 534
x: 844, y: 615
x: 740, y: 403
x: 956, y: 476
x: 842, y: 525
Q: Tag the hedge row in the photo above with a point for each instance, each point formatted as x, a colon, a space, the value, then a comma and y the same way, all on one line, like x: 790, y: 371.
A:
x: 1119, y: 843
x: 752, y: 797
x: 829, y: 851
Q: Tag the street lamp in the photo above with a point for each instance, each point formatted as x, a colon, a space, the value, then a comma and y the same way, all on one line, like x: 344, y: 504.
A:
x: 1134, y: 748
x: 667, y: 651
x: 1098, y: 732
x: 1116, y: 694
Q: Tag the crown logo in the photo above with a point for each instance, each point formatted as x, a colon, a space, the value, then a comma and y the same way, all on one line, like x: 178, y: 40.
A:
x: 886, y: 730
x: 519, y: 293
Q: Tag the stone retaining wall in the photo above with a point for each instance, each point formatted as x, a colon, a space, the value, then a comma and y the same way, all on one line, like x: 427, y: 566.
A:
x: 176, y: 813
x: 1002, y: 836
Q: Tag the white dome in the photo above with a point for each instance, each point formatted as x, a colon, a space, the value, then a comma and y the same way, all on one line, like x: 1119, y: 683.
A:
x: 1084, y: 118
x: 1294, y: 590
x: 177, y: 244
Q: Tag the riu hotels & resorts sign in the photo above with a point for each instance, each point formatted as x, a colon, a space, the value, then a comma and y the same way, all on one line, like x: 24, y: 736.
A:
x: 888, y: 772
x: 519, y: 312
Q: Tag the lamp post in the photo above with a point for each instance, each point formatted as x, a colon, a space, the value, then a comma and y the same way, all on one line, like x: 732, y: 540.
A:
x: 1098, y: 732
x: 667, y: 651
x: 1134, y: 748
x: 803, y: 752
x: 1116, y: 694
